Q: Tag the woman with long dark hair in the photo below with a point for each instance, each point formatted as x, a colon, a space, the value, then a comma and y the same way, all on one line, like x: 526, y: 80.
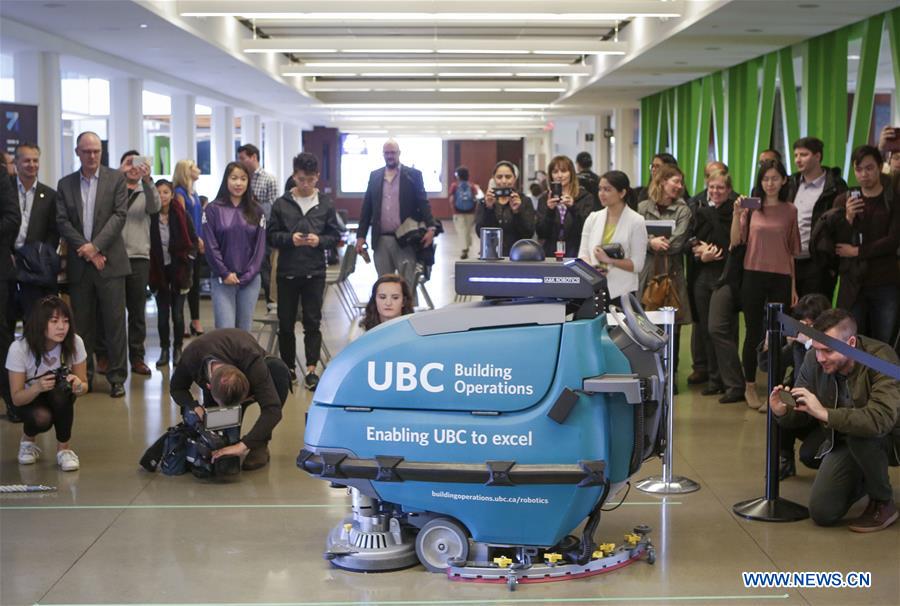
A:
x: 505, y: 207
x: 772, y: 239
x: 173, y: 246
x: 391, y: 298
x: 563, y: 210
x: 47, y: 371
x: 616, y: 224
x: 234, y: 230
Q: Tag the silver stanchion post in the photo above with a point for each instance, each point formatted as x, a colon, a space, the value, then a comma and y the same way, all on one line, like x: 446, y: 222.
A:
x: 668, y: 483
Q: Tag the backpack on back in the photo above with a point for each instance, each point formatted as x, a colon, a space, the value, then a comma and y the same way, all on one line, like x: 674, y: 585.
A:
x: 463, y: 198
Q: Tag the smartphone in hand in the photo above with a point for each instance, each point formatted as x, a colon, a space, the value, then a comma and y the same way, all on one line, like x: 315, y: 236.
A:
x: 787, y: 398
x: 751, y: 203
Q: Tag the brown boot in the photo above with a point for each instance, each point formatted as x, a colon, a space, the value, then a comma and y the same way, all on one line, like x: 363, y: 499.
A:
x: 256, y: 458
x: 138, y: 366
x: 698, y: 377
x: 877, y: 516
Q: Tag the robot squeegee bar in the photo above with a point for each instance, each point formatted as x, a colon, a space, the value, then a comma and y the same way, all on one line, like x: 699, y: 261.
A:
x: 338, y: 466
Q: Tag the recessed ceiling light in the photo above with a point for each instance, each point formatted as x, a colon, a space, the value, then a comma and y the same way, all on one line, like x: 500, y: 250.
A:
x: 853, y: 57
x: 144, y: 26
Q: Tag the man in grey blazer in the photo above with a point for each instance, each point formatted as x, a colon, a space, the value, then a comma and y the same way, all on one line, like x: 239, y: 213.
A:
x: 91, y: 205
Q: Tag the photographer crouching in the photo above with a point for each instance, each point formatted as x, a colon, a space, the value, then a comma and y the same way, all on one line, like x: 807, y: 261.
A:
x: 859, y: 408
x: 232, y: 369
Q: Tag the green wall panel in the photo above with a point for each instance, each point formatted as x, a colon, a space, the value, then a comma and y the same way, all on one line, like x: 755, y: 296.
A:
x: 739, y: 104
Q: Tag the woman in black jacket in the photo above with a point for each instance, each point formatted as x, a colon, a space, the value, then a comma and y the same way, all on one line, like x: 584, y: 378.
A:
x: 505, y: 207
x: 302, y: 226
x: 562, y: 211
x: 173, y: 248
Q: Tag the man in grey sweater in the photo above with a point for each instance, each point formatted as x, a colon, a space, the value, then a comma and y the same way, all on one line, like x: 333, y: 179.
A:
x: 143, y: 201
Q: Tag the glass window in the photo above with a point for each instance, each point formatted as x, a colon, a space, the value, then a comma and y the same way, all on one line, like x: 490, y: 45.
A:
x: 360, y: 155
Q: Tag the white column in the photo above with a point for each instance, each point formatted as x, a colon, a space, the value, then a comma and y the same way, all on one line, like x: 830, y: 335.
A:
x: 625, y: 152
x: 291, y: 146
x: 273, y: 152
x: 184, y: 125
x: 602, y: 157
x: 39, y: 82
x: 126, y: 117
x: 222, y: 139
x: 250, y: 129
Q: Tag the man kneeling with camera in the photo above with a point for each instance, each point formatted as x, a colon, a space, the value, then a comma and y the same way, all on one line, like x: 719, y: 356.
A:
x: 232, y: 370
x: 860, y: 408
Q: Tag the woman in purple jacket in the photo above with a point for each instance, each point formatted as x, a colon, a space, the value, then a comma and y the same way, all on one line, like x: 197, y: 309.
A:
x: 234, y: 230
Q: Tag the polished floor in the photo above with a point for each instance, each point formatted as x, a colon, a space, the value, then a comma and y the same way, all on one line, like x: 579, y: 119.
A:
x: 114, y: 534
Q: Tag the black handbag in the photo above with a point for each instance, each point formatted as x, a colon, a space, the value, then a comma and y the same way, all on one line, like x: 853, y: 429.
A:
x: 37, y: 263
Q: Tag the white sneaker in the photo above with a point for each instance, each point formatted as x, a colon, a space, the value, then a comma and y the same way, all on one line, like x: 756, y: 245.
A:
x: 28, y: 453
x: 67, y: 460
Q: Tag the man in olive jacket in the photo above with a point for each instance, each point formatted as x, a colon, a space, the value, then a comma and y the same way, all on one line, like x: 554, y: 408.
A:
x: 860, y: 409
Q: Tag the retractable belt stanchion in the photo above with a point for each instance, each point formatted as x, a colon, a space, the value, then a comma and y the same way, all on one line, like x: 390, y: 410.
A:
x: 771, y: 507
x: 668, y: 483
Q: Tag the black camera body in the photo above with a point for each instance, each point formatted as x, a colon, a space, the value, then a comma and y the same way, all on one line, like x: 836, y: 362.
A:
x: 614, y: 251
x: 503, y: 192
x: 59, y: 377
x: 220, y: 427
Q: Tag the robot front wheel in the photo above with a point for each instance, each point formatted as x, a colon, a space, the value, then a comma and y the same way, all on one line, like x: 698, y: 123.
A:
x: 439, y: 541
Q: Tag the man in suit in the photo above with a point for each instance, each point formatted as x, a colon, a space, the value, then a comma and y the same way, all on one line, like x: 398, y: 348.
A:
x: 91, y: 206
x: 10, y: 218
x: 395, y: 193
x: 37, y: 203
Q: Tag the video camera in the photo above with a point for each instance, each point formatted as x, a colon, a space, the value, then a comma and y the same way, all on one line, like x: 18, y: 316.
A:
x: 220, y: 427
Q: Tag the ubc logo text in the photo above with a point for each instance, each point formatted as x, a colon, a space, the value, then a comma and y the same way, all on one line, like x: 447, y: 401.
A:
x: 405, y: 375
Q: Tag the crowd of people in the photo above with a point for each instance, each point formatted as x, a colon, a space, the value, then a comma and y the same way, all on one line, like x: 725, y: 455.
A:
x: 713, y: 256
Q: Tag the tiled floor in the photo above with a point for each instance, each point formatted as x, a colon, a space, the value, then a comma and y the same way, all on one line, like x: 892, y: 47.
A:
x: 113, y: 534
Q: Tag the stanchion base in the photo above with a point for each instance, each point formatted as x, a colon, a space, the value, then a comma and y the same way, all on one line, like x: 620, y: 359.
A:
x: 771, y: 510
x: 658, y: 485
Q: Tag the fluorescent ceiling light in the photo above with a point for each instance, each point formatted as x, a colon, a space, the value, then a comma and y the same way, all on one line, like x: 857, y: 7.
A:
x: 435, y: 64
x: 476, y: 74
x: 439, y: 17
x: 389, y: 51
x: 559, y: 89
x: 468, y: 119
x: 450, y: 45
x: 478, y: 51
x: 311, y: 51
x: 468, y: 90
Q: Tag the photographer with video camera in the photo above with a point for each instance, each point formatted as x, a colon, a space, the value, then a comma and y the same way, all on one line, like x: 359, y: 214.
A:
x: 859, y: 409
x: 232, y: 369
x: 47, y: 371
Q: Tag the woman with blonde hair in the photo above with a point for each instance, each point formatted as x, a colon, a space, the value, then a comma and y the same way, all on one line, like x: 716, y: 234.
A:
x: 183, y: 179
x: 563, y: 209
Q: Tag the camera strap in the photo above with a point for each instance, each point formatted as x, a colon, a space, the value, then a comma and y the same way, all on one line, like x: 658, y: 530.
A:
x: 792, y: 327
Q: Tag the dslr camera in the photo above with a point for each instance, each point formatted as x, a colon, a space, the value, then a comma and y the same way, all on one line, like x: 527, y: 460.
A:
x: 220, y: 427
x: 59, y: 376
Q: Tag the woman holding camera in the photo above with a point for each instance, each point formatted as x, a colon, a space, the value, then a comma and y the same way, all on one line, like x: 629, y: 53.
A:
x: 506, y: 208
x: 615, y: 239
x: 769, y: 230
x: 47, y: 371
x: 563, y: 210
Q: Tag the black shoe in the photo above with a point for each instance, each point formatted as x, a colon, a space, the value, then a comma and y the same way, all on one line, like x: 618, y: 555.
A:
x: 176, y: 356
x: 163, y: 358
x: 292, y: 372
x: 731, y: 397
x: 311, y: 381
x: 195, y: 332
x: 465, y: 254
x: 786, y: 466
x: 116, y: 390
x: 712, y: 390
x: 256, y: 458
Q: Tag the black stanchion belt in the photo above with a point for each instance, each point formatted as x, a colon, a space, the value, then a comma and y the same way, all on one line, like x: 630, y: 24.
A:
x: 792, y: 327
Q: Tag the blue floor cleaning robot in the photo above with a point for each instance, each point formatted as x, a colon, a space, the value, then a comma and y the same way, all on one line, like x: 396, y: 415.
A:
x: 476, y: 439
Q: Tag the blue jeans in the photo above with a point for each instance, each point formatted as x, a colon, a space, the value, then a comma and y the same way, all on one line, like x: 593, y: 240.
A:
x: 233, y: 305
x: 875, y: 312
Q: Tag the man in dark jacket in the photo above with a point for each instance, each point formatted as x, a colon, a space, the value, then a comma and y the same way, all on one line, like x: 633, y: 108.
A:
x: 395, y: 193
x: 860, y: 408
x: 38, y: 203
x: 10, y: 219
x: 231, y: 368
x: 302, y: 226
x: 587, y: 178
x: 813, y: 190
